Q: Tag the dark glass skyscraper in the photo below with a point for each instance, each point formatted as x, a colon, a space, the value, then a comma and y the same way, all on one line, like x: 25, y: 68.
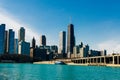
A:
x: 70, y: 39
x: 21, y: 34
x: 43, y: 40
x: 11, y: 36
x: 2, y: 38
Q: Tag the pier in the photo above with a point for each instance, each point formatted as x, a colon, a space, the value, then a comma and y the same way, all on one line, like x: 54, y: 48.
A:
x: 112, y: 60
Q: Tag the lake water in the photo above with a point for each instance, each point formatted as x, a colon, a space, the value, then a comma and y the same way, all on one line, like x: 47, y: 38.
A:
x: 57, y: 72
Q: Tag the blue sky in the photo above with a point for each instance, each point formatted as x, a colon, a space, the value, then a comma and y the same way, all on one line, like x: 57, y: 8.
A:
x: 96, y: 22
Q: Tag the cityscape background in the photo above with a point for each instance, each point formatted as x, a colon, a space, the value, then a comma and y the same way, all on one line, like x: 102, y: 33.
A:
x: 95, y: 22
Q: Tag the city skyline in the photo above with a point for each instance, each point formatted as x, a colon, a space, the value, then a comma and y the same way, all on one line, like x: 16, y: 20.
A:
x: 96, y: 23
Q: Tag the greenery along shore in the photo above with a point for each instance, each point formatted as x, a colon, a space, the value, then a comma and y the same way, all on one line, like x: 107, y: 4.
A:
x: 15, y: 58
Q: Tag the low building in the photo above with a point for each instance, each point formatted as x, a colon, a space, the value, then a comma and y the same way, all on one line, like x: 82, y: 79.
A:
x: 24, y: 48
x: 40, y: 54
x: 76, y: 51
x: 84, y: 51
x: 93, y: 53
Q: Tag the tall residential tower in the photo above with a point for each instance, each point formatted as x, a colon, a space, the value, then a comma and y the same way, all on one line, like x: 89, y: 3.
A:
x: 62, y: 42
x: 2, y: 38
x: 10, y: 41
x: 21, y: 34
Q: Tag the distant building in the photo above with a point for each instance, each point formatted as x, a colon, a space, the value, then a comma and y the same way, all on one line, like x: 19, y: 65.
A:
x: 33, y: 43
x: 45, y: 47
x: 70, y: 39
x: 39, y: 54
x: 2, y: 38
x: 54, y: 49
x: 21, y: 34
x: 62, y: 42
x: 84, y: 51
x: 93, y: 53
x: 76, y: 51
x: 103, y: 53
x: 10, y: 41
x: 16, y: 46
x: 24, y: 48
x: 43, y: 40
x: 32, y: 51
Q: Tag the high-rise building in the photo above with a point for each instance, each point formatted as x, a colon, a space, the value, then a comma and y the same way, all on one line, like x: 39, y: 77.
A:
x: 10, y: 41
x: 24, y: 48
x: 21, y: 34
x: 16, y: 46
x: 33, y: 43
x: 43, y: 40
x: 6, y: 42
x: 2, y: 38
x: 70, y: 39
x: 62, y: 42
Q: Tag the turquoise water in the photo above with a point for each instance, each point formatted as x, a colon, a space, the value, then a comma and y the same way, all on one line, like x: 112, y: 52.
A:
x: 57, y: 72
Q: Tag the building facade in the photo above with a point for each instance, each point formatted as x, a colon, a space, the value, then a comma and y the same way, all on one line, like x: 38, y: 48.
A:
x: 84, y: 51
x: 2, y: 38
x: 21, y: 34
x: 62, y: 42
x: 16, y: 46
x: 24, y: 48
x: 33, y: 43
x: 10, y: 41
x: 6, y: 42
x: 76, y: 51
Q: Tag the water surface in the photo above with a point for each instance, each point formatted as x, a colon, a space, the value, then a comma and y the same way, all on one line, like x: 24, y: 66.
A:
x: 57, y: 72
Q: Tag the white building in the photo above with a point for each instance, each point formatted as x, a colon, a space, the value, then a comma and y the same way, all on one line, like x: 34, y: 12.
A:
x: 62, y: 42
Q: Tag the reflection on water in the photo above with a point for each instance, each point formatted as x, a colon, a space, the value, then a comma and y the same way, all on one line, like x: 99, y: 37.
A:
x: 57, y: 72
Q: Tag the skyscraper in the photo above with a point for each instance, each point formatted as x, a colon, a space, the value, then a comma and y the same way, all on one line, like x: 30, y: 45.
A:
x: 33, y: 43
x: 70, y: 39
x: 16, y: 46
x: 2, y: 38
x: 62, y: 42
x: 6, y: 41
x: 10, y: 45
x: 21, y: 34
x: 43, y: 40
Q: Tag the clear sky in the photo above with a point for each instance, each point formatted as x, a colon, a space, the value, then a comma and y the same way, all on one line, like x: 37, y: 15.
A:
x: 96, y: 22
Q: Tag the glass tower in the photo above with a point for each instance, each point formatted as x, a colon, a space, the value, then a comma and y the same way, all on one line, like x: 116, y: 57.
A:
x: 2, y: 38
x: 11, y: 36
